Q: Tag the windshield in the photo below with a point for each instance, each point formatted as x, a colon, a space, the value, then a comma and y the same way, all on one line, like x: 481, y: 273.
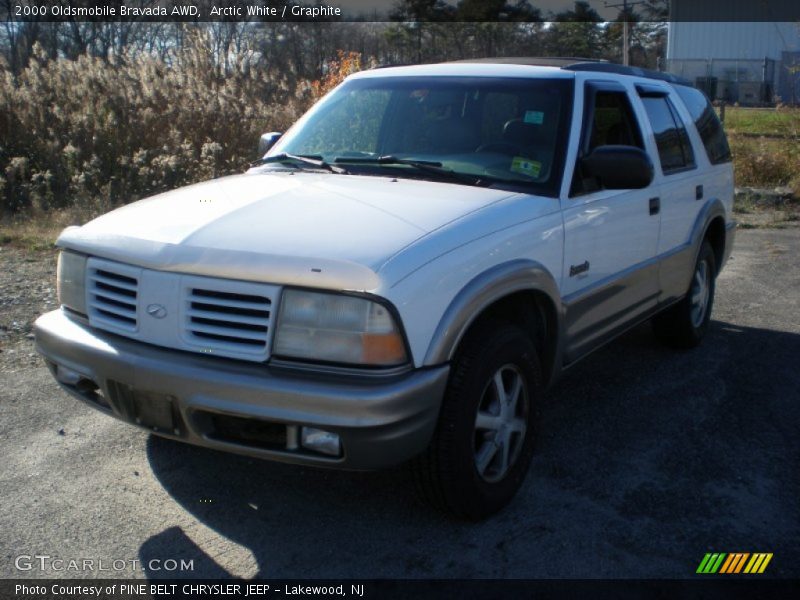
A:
x: 490, y: 130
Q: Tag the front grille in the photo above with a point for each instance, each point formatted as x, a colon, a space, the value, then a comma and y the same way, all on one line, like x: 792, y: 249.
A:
x: 219, y: 317
x: 112, y: 297
x: 227, y: 321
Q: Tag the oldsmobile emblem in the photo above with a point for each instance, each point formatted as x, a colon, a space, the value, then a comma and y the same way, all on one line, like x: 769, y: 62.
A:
x: 157, y: 310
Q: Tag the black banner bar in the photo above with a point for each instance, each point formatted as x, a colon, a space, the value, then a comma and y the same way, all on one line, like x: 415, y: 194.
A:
x: 751, y: 587
x: 196, y: 11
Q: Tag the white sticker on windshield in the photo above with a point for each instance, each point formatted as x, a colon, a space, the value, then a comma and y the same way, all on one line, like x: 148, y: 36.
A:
x: 535, y: 117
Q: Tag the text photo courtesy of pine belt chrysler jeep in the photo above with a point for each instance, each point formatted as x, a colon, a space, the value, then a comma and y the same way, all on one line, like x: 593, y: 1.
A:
x: 405, y: 271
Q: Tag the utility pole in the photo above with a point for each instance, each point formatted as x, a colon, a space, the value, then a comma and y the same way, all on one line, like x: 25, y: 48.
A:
x: 625, y: 26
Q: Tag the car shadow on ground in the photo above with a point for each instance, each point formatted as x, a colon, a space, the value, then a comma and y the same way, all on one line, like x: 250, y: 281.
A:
x: 646, y: 457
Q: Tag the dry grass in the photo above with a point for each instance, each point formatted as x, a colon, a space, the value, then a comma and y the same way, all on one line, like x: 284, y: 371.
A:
x: 766, y: 146
x: 91, y: 131
x: 783, y: 121
x: 754, y: 210
x: 38, y: 232
x: 93, y: 134
x: 766, y: 162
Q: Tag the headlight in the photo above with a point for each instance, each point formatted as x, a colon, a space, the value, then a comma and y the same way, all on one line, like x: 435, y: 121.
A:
x: 71, y: 281
x: 337, y: 328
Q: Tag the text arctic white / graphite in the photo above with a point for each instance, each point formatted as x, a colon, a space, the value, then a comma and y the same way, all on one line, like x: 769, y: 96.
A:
x: 273, y: 11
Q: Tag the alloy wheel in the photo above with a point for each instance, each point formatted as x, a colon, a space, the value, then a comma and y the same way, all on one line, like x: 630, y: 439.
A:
x: 500, y: 423
x: 701, y: 288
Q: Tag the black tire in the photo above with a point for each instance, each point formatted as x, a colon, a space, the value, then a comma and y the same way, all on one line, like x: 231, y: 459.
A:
x: 446, y: 474
x: 680, y: 326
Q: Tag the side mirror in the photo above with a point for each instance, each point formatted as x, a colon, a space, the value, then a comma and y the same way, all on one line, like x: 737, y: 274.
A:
x: 267, y: 141
x: 619, y: 167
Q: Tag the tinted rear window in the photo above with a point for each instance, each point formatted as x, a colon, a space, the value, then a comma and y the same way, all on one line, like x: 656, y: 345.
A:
x: 707, y: 123
x: 674, y: 148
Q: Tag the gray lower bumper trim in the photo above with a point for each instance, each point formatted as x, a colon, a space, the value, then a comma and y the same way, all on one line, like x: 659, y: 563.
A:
x: 382, y: 420
x: 730, y: 236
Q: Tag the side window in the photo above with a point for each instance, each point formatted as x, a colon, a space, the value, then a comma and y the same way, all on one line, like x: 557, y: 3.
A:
x: 707, y: 123
x: 609, y: 120
x: 674, y: 150
x: 614, y: 122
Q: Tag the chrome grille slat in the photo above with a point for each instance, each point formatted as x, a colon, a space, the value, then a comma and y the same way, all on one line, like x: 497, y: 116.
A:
x: 98, y: 276
x: 110, y: 308
x: 232, y: 318
x: 229, y: 303
x: 129, y: 300
x: 225, y: 317
x: 229, y: 332
x: 112, y: 297
x: 110, y: 320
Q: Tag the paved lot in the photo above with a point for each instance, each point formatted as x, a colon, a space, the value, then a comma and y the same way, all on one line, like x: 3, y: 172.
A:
x: 649, y: 458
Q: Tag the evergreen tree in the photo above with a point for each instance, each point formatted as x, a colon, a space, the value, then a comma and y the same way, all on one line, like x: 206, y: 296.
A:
x: 576, y: 33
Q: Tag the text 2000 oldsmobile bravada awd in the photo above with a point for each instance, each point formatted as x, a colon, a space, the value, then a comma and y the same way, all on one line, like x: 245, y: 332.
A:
x: 405, y: 271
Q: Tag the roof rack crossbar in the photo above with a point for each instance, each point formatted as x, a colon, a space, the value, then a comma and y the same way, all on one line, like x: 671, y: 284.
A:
x: 606, y: 67
x: 529, y: 61
x: 580, y: 64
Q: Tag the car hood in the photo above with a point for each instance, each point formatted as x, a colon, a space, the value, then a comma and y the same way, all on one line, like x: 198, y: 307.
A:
x: 302, y: 228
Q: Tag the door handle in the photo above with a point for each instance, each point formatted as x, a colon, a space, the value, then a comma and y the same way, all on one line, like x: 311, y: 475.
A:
x: 655, y: 205
x: 698, y: 192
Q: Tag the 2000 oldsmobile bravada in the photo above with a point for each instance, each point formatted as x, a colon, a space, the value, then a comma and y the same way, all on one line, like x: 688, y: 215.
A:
x: 405, y: 271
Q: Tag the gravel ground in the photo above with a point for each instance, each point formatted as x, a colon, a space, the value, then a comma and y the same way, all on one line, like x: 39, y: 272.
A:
x: 649, y: 458
x: 27, y: 289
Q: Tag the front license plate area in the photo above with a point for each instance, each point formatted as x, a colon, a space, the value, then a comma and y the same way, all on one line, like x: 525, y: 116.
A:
x: 154, y: 411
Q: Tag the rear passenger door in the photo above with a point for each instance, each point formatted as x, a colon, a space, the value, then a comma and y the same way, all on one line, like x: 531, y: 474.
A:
x: 610, y: 278
x: 676, y: 173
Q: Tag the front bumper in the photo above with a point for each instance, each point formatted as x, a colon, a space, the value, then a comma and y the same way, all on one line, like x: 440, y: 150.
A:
x: 251, y: 409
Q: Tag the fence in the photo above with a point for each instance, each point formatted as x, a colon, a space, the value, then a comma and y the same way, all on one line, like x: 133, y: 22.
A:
x: 746, y: 81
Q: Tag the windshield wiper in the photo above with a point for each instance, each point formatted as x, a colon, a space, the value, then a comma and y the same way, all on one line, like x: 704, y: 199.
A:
x: 306, y: 160
x: 428, y: 166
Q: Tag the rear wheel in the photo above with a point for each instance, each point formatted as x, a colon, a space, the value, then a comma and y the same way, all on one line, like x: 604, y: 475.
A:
x: 685, y: 324
x: 483, y: 443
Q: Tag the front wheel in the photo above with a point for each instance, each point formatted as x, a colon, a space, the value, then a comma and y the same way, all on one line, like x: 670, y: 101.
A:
x: 685, y: 324
x: 483, y: 444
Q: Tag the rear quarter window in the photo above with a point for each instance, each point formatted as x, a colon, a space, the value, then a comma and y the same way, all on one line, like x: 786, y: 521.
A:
x: 707, y: 123
x: 674, y: 149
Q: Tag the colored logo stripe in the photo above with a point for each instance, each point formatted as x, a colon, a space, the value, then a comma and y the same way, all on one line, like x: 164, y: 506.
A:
x: 711, y: 563
x: 758, y: 563
x: 735, y: 562
x: 720, y: 562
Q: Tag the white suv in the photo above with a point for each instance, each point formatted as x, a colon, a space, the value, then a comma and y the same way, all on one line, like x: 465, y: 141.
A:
x: 405, y: 271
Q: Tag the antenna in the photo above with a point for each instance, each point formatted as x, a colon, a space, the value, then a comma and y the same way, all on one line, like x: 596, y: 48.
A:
x: 624, y: 6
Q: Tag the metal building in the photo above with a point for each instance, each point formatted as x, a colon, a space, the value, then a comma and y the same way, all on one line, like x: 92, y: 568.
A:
x: 749, y: 62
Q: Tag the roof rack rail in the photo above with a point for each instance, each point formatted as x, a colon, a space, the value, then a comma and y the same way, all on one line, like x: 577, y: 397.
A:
x: 606, y: 67
x: 532, y: 61
x: 568, y: 63
x: 391, y: 65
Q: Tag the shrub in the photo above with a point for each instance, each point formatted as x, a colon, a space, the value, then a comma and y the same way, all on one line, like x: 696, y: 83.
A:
x: 765, y: 162
x: 113, y: 130
x: 337, y: 70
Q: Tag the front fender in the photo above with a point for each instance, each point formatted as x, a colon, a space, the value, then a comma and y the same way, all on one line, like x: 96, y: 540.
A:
x: 481, y: 292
